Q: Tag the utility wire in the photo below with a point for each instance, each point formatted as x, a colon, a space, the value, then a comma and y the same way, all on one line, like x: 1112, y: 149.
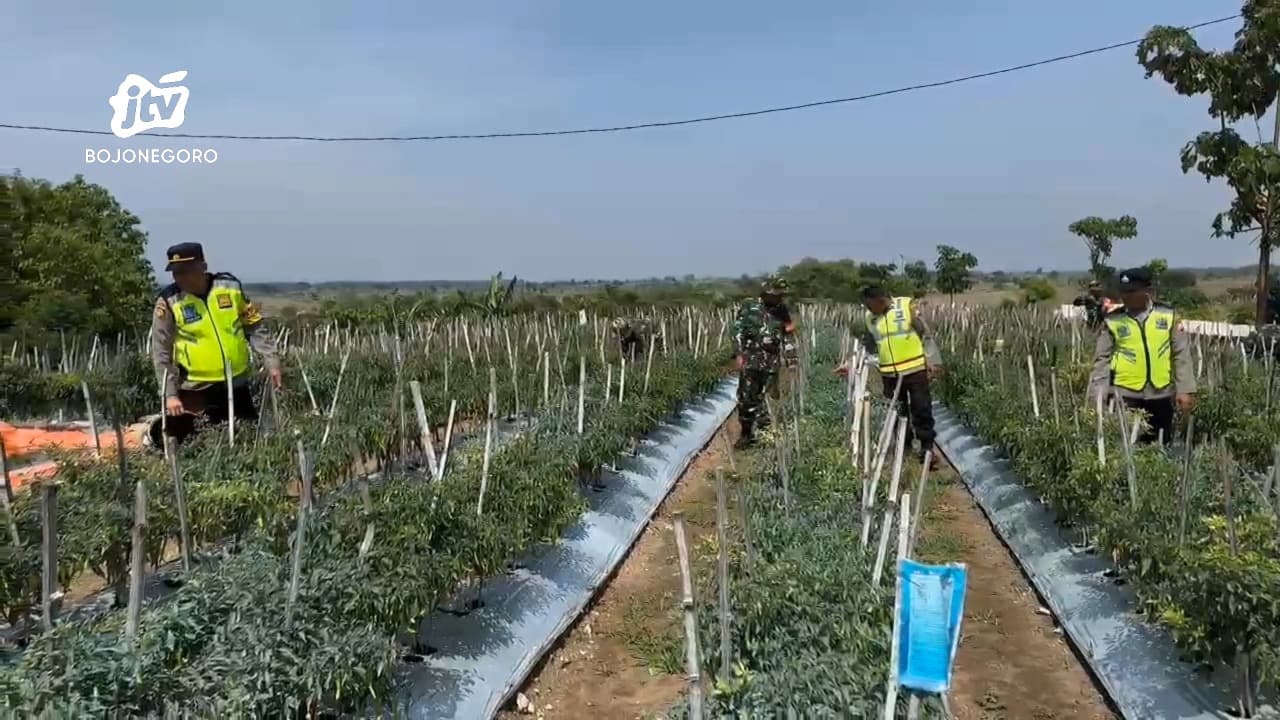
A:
x: 639, y: 126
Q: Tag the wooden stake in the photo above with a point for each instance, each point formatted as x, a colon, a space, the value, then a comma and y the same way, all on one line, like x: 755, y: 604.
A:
x: 722, y: 540
x: 488, y: 440
x: 300, y: 533
x: 49, y: 594
x: 137, y: 573
x: 693, y: 662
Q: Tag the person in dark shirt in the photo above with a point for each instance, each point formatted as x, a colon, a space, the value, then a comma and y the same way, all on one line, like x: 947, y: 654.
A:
x: 1091, y: 301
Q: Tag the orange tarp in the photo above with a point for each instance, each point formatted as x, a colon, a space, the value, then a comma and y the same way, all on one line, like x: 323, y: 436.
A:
x: 21, y: 442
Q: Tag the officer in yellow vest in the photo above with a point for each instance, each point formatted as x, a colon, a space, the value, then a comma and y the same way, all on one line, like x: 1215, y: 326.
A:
x: 202, y: 332
x: 1143, y: 357
x: 908, y: 357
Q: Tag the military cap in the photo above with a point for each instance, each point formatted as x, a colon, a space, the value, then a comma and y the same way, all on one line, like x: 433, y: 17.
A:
x: 1138, y: 278
x: 774, y: 285
x: 184, y: 254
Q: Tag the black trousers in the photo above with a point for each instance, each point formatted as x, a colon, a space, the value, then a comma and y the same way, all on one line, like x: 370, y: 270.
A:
x: 1159, y: 413
x: 915, y: 402
x: 207, y: 406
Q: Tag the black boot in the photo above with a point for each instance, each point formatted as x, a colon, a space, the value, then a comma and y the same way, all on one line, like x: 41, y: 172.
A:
x: 746, y: 438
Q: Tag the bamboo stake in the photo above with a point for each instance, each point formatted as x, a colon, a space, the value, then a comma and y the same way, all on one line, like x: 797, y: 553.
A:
x: 300, y: 534
x: 93, y: 422
x: 891, y: 688
x: 49, y: 594
x: 448, y: 438
x: 424, y: 428
x: 582, y: 384
x: 180, y: 499
x: 722, y: 540
x: 891, y: 505
x: 137, y: 573
x: 693, y: 663
x: 488, y: 439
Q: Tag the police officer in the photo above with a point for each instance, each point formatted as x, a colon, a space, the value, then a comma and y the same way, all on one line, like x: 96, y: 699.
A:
x: 908, y: 357
x: 760, y: 332
x: 1143, y: 357
x: 203, y: 328
x: 631, y: 337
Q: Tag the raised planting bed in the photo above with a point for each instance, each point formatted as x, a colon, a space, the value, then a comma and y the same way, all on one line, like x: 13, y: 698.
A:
x: 1162, y: 565
x: 481, y: 658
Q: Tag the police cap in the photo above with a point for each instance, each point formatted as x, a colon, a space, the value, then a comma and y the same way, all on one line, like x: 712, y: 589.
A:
x: 1138, y: 278
x: 184, y: 255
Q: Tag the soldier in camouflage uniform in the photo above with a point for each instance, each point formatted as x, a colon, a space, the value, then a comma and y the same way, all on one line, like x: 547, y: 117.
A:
x: 762, y: 329
x: 632, y: 335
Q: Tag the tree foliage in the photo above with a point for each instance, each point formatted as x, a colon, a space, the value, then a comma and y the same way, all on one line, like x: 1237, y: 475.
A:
x: 917, y: 277
x: 841, y: 279
x: 74, y: 260
x: 1099, y: 235
x: 953, y: 269
x: 1241, y: 84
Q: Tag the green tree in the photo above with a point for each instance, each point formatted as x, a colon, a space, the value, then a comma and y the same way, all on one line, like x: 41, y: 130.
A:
x: 1099, y: 236
x: 1158, y: 267
x: 918, y: 277
x: 1037, y: 289
x: 953, y: 268
x: 1241, y: 84
x: 77, y: 261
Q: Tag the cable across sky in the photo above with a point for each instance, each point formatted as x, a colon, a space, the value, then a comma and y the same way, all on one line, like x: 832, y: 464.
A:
x: 634, y: 126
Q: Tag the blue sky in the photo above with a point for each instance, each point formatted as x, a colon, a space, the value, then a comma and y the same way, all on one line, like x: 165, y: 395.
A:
x: 998, y: 166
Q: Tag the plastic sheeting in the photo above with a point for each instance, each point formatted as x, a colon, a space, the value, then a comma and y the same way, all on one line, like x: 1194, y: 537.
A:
x: 1135, y: 661
x: 483, y: 657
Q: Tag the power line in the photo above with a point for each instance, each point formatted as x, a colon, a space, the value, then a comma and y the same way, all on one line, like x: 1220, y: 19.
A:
x: 639, y: 126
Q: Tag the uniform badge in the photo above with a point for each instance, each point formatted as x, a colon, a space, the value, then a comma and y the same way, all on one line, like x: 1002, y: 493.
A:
x: 189, y: 314
x: 1122, y: 331
x: 224, y: 301
x: 251, y: 316
x: 1162, y: 324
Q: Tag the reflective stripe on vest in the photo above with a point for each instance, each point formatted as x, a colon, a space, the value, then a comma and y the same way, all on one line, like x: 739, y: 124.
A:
x: 898, y: 346
x: 1143, y: 352
x: 211, y: 333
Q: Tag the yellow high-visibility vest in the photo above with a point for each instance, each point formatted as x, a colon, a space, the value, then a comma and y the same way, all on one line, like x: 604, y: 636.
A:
x: 1143, y: 351
x: 211, y: 332
x: 899, y: 347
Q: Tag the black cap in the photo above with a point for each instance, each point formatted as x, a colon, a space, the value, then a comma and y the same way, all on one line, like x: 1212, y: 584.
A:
x: 1138, y: 278
x: 183, y: 254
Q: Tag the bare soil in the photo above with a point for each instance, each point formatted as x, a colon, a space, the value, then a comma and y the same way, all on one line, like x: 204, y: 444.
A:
x: 1013, y: 662
x: 625, y: 656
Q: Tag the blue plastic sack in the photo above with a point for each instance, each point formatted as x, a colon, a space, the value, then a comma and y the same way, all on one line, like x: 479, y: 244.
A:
x: 932, y: 606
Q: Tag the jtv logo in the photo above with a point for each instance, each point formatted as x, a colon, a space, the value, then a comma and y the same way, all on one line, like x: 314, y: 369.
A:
x: 139, y: 106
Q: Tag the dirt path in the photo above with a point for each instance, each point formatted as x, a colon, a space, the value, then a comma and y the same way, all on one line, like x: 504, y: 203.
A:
x: 624, y: 658
x: 1013, y: 663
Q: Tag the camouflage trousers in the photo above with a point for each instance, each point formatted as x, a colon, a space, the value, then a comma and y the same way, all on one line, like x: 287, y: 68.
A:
x: 753, y: 384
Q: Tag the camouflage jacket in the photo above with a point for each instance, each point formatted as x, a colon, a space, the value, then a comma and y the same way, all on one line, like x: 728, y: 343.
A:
x: 759, y: 335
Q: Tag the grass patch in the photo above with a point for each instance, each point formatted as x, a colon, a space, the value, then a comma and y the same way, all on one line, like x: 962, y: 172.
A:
x: 649, y: 630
